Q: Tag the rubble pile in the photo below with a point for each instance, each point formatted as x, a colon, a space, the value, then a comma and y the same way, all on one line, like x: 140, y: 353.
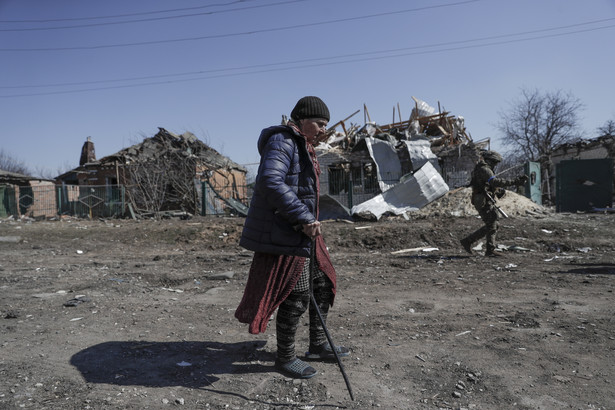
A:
x: 166, y: 143
x: 400, y: 167
x: 440, y: 128
x: 457, y: 202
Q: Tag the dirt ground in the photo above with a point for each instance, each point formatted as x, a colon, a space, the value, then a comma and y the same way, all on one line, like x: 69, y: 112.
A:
x: 123, y: 314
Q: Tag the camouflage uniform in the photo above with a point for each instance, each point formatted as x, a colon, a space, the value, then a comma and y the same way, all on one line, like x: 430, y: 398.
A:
x: 483, y: 181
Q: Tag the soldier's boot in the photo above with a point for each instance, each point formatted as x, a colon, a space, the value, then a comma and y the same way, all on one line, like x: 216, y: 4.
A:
x: 491, y: 234
x: 467, y: 245
x: 491, y: 252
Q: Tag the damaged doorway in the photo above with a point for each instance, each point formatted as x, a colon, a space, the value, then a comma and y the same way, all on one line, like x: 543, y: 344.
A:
x: 352, y: 183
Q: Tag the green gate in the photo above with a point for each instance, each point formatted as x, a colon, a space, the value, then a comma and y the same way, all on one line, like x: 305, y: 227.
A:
x: 584, y: 184
x: 7, y: 201
x: 534, y: 183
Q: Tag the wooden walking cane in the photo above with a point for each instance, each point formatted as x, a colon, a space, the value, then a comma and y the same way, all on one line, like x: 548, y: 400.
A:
x: 322, y: 320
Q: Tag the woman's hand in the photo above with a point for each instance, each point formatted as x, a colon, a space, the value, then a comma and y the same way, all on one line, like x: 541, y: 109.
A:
x: 312, y: 230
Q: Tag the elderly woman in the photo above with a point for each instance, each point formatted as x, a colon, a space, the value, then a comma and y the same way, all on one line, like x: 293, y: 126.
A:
x: 281, y: 226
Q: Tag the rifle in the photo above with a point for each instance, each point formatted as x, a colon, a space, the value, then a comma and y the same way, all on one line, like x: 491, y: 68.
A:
x: 500, y: 210
x: 509, y: 169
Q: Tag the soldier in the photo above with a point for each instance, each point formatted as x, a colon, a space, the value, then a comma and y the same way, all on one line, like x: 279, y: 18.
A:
x: 485, y: 188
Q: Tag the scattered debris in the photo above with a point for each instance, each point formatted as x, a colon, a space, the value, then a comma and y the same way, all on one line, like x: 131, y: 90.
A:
x: 513, y: 248
x: 10, y: 239
x: 221, y: 276
x: 77, y: 300
x: 173, y: 290
x: 603, y: 210
x: 419, y: 249
x: 11, y: 314
x: 460, y: 385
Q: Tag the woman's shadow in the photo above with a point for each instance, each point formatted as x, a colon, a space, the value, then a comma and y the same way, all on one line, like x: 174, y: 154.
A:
x: 163, y: 364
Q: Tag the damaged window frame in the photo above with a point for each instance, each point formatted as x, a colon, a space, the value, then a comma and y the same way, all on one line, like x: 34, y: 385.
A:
x: 359, y: 178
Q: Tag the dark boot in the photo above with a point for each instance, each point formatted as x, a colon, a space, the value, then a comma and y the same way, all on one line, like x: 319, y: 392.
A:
x: 467, y: 245
x: 492, y: 253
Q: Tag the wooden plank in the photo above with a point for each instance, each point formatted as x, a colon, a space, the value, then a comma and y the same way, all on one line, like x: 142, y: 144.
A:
x: 366, y: 112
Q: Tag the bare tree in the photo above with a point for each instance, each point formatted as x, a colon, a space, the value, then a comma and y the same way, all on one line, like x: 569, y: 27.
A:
x: 147, y: 186
x: 607, y: 130
x: 11, y: 164
x: 537, y: 123
x: 46, y: 173
x: 163, y: 182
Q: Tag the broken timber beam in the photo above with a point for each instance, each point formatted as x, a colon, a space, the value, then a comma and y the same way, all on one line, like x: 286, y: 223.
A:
x: 366, y: 113
x: 331, y: 128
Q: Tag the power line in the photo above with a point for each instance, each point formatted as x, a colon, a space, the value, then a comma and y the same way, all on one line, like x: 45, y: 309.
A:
x: 350, y: 55
x: 244, y: 33
x: 152, y: 18
x: 329, y: 63
x: 124, y: 15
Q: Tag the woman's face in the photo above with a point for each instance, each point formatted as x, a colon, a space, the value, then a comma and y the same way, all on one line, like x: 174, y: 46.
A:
x: 313, y: 128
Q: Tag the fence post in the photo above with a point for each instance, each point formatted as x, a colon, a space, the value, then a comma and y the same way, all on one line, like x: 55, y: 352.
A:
x: 59, y: 199
x: 350, y: 193
x: 203, y: 198
x: 123, y: 191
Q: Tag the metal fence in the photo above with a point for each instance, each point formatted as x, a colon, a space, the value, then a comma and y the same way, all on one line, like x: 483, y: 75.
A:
x: 91, y: 201
x: 47, y: 201
x: 354, y: 186
x: 106, y: 201
x: 223, y: 200
x: 109, y: 201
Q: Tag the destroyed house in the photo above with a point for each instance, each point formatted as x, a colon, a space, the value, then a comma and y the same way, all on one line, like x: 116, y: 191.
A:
x: 362, y: 162
x: 164, y: 172
x: 584, y: 174
x: 597, y: 148
x: 23, y: 195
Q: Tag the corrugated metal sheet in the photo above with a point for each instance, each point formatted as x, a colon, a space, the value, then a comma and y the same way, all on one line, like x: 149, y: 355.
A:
x: 412, y: 193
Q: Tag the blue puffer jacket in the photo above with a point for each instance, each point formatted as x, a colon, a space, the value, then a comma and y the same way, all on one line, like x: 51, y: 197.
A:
x: 285, y: 195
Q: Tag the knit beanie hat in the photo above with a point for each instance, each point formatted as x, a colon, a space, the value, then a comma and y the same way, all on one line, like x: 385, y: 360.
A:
x: 310, y: 107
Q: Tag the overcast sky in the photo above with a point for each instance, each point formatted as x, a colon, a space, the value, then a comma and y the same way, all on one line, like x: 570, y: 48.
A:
x: 117, y: 70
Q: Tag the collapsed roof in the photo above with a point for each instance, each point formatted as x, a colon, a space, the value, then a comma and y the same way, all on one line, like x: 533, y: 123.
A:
x: 8, y: 177
x: 441, y: 128
x: 429, y: 135
x: 408, y: 157
x: 186, y: 144
x: 12, y: 177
